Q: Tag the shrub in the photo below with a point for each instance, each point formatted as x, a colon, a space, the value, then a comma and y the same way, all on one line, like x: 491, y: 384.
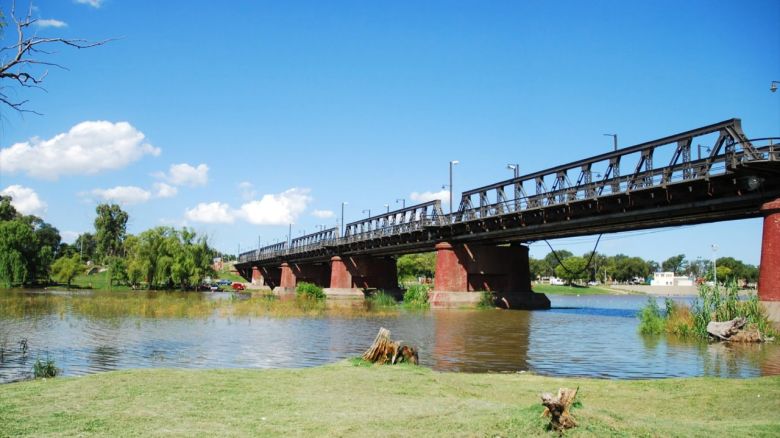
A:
x: 45, y: 368
x: 651, y: 322
x: 486, y: 300
x: 309, y: 290
x: 416, y: 295
x: 381, y: 299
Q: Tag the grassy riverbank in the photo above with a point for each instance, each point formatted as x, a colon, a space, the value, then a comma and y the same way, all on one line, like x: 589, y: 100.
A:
x: 346, y: 399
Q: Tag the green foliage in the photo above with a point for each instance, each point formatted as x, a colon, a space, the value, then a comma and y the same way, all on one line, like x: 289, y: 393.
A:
x: 43, y: 369
x: 86, y: 246
x: 676, y: 264
x: 381, y: 299
x: 651, y: 321
x: 736, y: 270
x: 65, y: 269
x: 27, y: 246
x: 573, y: 268
x: 712, y: 304
x: 551, y: 262
x: 110, y: 230
x: 486, y: 300
x: 416, y: 296
x: 414, y: 266
x: 166, y: 258
x: 309, y: 290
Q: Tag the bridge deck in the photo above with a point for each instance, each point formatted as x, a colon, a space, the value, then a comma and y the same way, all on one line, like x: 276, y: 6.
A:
x: 730, y: 183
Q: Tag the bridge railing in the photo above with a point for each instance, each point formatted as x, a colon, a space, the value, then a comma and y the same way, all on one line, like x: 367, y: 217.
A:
x: 313, y: 241
x: 601, y: 175
x: 405, y: 220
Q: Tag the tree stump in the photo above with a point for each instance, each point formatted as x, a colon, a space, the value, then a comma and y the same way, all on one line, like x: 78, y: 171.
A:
x: 557, y: 408
x: 726, y: 329
x: 386, y: 350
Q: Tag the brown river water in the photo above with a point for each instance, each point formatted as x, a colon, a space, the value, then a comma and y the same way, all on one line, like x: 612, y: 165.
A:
x: 593, y: 336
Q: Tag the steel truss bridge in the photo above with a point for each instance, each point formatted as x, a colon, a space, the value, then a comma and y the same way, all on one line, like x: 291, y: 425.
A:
x: 616, y: 191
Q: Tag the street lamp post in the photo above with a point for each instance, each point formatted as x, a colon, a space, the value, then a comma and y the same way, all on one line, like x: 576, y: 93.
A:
x: 367, y: 211
x: 614, y: 140
x: 342, y: 216
x: 452, y: 163
x: 387, y: 208
x: 403, y: 202
x: 515, y: 168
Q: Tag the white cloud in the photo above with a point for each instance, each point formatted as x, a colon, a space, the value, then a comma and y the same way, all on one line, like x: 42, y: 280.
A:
x: 88, y: 148
x: 123, y: 194
x: 443, y: 195
x: 247, y: 190
x: 93, y: 3
x: 279, y: 209
x: 162, y: 190
x: 323, y: 214
x: 50, y: 22
x: 185, y: 175
x: 211, y: 213
x: 25, y: 200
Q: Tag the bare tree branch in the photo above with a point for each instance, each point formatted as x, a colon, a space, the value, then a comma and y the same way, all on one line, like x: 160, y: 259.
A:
x: 22, y: 68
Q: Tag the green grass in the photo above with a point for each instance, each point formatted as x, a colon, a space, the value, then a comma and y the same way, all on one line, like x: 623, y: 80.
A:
x: 96, y: 281
x: 570, y: 290
x: 352, y: 399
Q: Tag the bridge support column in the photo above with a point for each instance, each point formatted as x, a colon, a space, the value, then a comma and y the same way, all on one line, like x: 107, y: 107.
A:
x: 257, y: 276
x: 769, y: 273
x: 287, y: 281
x: 464, y: 271
x: 341, y: 286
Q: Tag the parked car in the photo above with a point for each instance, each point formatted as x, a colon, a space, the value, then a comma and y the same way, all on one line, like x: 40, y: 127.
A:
x: 224, y: 282
x: 238, y: 286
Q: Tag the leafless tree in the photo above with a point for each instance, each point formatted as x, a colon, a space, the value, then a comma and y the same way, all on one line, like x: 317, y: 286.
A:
x: 24, y: 63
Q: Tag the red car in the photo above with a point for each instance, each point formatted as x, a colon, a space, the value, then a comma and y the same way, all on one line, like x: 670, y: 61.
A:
x: 238, y: 286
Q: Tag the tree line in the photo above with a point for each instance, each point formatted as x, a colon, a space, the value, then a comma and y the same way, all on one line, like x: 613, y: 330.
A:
x: 600, y: 267
x: 32, y: 252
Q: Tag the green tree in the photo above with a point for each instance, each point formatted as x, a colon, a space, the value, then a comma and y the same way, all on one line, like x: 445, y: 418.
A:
x: 167, y: 258
x: 86, y: 246
x: 537, y: 267
x: 65, y: 269
x: 676, y: 264
x: 7, y: 211
x: 551, y: 261
x: 110, y: 230
x: 416, y: 265
x: 572, y: 269
x: 17, y: 248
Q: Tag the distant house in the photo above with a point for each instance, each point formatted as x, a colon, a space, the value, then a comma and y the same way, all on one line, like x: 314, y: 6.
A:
x: 552, y: 280
x: 669, y: 279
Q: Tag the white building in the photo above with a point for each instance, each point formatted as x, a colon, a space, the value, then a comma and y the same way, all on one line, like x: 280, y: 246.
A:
x: 669, y: 279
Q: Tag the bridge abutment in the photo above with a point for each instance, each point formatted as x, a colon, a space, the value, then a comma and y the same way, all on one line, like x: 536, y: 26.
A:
x: 769, y: 273
x: 464, y: 271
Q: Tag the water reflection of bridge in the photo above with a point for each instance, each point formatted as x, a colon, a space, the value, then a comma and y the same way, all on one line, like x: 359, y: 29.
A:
x: 479, y: 246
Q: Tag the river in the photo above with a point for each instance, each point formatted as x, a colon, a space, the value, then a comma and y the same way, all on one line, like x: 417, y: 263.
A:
x: 593, y: 336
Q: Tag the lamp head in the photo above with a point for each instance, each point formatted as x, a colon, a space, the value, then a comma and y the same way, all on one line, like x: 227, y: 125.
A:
x: 454, y: 162
x: 773, y: 86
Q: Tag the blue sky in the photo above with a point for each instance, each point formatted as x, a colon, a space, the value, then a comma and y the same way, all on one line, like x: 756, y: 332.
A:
x: 238, y: 118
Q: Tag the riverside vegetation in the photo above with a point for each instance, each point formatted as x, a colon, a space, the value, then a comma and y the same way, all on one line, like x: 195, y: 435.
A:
x: 713, y: 304
x: 393, y: 401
